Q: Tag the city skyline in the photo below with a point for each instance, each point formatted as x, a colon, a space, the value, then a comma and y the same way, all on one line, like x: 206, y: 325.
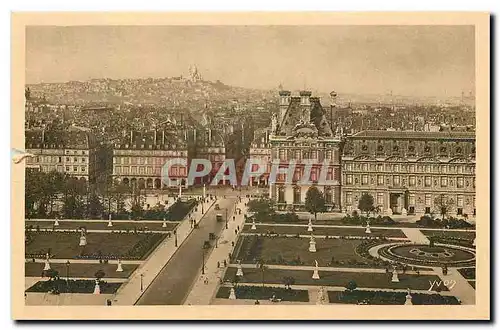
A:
x: 422, y: 61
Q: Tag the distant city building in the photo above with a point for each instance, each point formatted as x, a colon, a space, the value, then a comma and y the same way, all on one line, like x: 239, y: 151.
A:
x: 207, y: 143
x: 408, y: 172
x: 138, y: 158
x: 73, y: 151
x: 261, y: 149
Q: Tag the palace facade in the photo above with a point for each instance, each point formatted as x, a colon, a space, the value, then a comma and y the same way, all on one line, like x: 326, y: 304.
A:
x: 300, y: 135
x: 409, y: 172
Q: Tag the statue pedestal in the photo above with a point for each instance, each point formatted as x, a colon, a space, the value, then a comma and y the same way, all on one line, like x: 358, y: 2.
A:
x: 110, y: 224
x: 253, y: 226
x: 408, y: 300
x: 389, y: 211
x: 164, y: 225
x: 309, y: 228
x: 368, y: 230
x: 56, y: 223
x: 312, y: 246
x: 404, y: 212
x: 47, y: 265
x: 239, y: 272
x: 83, y: 241
x: 395, y: 278
x: 315, y: 275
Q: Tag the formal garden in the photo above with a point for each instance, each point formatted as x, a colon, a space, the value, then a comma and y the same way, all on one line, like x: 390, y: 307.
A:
x: 264, y: 293
x: 81, y: 270
x: 37, y: 225
x: 334, y: 278
x: 73, y: 286
x: 65, y: 245
x: 388, y: 298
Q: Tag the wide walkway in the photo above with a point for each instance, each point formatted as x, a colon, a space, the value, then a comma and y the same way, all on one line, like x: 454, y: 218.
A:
x: 147, y: 272
x: 458, y: 285
x: 174, y: 281
x: 415, y: 235
x: 206, y: 285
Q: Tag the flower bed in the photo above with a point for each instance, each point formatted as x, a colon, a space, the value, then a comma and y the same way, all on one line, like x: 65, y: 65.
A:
x: 73, y: 286
x: 388, y: 298
x: 264, y: 293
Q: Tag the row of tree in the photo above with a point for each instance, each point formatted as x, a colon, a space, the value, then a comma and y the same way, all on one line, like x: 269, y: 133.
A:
x: 45, y: 190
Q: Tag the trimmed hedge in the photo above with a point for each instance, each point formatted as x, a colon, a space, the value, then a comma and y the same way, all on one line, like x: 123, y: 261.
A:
x: 264, y: 293
x: 388, y: 298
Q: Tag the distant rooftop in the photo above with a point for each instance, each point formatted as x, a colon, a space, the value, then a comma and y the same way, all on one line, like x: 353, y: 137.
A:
x: 380, y: 134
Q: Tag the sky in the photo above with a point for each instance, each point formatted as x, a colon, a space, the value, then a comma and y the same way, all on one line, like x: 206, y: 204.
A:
x: 407, y: 60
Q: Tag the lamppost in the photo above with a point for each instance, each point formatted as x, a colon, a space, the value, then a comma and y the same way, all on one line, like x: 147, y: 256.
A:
x: 202, y: 203
x: 203, y: 262
x: 175, y: 234
x: 226, y: 219
x: 142, y: 287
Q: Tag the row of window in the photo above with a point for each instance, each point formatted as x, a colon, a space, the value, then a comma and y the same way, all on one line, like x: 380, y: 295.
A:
x: 428, y: 199
x: 331, y: 174
x: 297, y: 195
x: 411, y: 168
x: 305, y: 154
x: 56, y: 159
x: 140, y: 160
x: 149, y: 170
x: 76, y: 152
x: 395, y: 180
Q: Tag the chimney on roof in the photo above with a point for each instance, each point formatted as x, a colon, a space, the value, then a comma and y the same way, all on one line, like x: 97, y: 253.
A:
x: 163, y: 137
x: 131, y: 137
x: 284, y: 103
x: 155, y: 137
x: 305, y: 105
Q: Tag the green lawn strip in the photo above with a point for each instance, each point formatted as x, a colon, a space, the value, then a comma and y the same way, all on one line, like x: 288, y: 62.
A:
x: 117, y: 225
x: 363, y: 280
x: 468, y: 273
x: 388, y: 298
x: 80, y: 270
x: 281, y: 250
x: 110, y: 245
x: 74, y: 286
x: 468, y: 235
x: 267, y: 229
x: 257, y: 292
x: 472, y: 284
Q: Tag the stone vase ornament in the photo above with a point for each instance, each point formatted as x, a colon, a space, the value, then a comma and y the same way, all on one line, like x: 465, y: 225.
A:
x: 239, y: 272
x: 253, y: 225
x: 309, y: 225
x: 164, y: 225
x: 408, y: 298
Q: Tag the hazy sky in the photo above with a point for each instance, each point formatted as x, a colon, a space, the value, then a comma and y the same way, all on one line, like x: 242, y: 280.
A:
x: 409, y: 60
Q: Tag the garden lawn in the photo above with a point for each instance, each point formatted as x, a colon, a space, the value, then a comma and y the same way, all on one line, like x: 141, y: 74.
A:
x: 117, y: 225
x: 363, y: 280
x: 80, y: 270
x: 388, y: 298
x: 470, y: 235
x: 324, y: 231
x: 338, y: 222
x: 257, y: 292
x: 111, y: 246
x: 284, y: 250
x: 74, y: 286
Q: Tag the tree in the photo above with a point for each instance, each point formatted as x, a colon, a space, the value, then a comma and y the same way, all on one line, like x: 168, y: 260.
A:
x: 443, y: 205
x: 366, y: 203
x: 262, y: 205
x: 351, y: 286
x: 99, y: 274
x: 95, y: 207
x: 315, y: 201
x: 288, y: 281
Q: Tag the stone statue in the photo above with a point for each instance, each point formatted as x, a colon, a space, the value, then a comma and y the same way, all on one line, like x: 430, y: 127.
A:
x: 274, y: 123
x: 316, y: 263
